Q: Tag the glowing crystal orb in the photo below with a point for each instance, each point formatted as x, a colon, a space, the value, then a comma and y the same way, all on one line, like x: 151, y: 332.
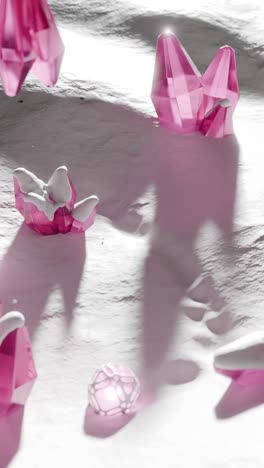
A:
x: 114, y: 390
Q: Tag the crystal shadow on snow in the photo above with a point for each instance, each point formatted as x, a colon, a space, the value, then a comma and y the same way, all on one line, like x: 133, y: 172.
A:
x: 35, y: 266
x: 195, y: 181
x: 123, y: 154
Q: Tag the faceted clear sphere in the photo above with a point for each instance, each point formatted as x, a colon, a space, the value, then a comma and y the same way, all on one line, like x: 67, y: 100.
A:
x: 114, y: 390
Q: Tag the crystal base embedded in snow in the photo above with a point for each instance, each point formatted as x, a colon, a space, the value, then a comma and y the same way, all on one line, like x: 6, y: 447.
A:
x: 186, y: 101
x: 114, y: 390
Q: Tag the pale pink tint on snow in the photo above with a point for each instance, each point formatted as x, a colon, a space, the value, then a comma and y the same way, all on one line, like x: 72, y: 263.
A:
x: 184, y: 99
x: 29, y: 39
x: 17, y: 369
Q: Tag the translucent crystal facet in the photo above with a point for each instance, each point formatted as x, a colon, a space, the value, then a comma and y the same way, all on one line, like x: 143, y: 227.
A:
x: 28, y: 39
x: 47, y: 44
x: 177, y: 92
x: 186, y: 101
x: 220, y: 79
x: 17, y: 369
x: 218, y: 121
x: 114, y: 390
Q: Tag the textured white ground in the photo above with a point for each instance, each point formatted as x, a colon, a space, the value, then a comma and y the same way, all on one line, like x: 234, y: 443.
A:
x: 172, y: 208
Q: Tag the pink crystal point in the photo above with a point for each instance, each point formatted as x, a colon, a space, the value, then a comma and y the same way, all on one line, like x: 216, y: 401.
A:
x: 16, y: 56
x: 220, y: 80
x: 17, y: 368
x: 177, y: 92
x: 47, y: 44
x: 28, y: 39
x: 218, y: 122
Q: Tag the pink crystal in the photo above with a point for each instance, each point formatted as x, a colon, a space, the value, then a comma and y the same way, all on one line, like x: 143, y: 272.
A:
x: 28, y: 39
x: 78, y: 226
x: 177, y: 92
x: 114, y: 390
x: 63, y: 221
x: 218, y: 122
x: 220, y: 79
x: 17, y: 369
x: 187, y: 102
x: 47, y: 44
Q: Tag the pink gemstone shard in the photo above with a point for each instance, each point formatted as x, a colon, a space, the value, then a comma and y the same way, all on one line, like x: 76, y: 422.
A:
x: 220, y: 80
x: 17, y: 369
x: 177, y: 92
x: 47, y: 45
x: 114, y: 390
x: 28, y: 39
x: 50, y: 208
x: 187, y: 102
x: 218, y: 122
x: 16, y: 55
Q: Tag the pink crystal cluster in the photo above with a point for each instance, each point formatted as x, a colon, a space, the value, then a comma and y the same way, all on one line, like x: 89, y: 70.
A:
x: 17, y: 369
x: 114, y: 390
x: 64, y: 219
x: 187, y: 101
x: 29, y: 39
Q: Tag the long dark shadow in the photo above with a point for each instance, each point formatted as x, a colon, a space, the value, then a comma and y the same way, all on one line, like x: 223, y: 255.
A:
x: 195, y: 183
x: 34, y: 266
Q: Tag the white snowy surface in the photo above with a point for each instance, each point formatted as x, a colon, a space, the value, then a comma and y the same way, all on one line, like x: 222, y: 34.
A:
x: 172, y: 209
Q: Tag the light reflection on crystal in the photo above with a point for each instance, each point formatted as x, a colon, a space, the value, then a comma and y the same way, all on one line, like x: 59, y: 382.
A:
x: 184, y: 99
x: 29, y: 39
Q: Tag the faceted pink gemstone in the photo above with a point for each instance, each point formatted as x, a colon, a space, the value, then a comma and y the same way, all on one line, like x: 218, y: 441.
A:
x: 16, y: 55
x: 63, y: 221
x: 47, y: 45
x: 184, y: 100
x: 28, y: 37
x: 17, y: 368
x: 220, y: 80
x: 218, y: 122
x: 177, y: 92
